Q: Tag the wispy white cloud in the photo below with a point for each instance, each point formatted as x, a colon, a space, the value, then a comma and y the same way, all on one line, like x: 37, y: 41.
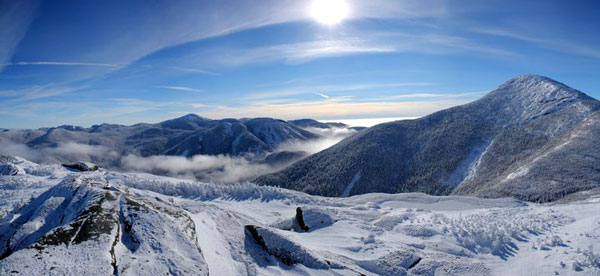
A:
x: 426, y: 40
x: 196, y: 22
x: 303, y: 51
x: 430, y: 40
x: 194, y: 70
x: 403, y: 105
x: 568, y: 47
x: 36, y: 92
x: 331, y: 108
x: 88, y: 112
x: 63, y: 63
x: 321, y: 94
x: 179, y: 88
x: 15, y: 18
x: 435, y: 95
x: 299, y: 90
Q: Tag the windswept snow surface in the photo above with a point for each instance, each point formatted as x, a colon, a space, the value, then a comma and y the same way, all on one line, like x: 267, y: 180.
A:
x: 160, y: 225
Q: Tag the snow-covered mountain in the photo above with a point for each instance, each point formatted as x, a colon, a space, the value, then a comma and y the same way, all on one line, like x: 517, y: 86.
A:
x: 533, y: 138
x: 55, y: 221
x: 224, y: 151
x: 188, y: 135
x: 258, y: 141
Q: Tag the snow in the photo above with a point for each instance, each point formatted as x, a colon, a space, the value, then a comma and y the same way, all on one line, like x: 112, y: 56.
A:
x: 164, y: 225
x: 348, y: 189
x: 214, y: 248
x: 468, y: 167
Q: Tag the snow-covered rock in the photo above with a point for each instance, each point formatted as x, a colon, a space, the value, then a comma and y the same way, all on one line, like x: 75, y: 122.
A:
x: 307, y: 219
x: 287, y: 251
x: 80, y: 221
x: 10, y: 169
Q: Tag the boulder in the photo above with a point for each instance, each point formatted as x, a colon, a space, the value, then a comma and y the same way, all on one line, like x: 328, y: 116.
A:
x: 284, y: 249
x: 306, y: 219
x: 81, y: 166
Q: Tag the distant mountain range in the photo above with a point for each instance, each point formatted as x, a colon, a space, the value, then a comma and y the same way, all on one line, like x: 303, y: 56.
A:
x: 255, y: 140
x: 532, y: 138
x: 184, y: 136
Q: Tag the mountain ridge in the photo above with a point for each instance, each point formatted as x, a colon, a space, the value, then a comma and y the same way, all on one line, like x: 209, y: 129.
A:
x: 435, y: 154
x: 187, y: 136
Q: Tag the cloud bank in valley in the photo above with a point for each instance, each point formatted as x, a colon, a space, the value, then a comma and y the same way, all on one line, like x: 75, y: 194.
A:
x: 223, y: 168
x: 206, y: 168
x: 66, y: 152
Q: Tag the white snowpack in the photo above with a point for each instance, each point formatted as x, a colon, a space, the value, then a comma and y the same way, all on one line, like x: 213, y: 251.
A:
x: 371, y: 234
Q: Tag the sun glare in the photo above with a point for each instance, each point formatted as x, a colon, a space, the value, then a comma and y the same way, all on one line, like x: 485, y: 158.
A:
x: 329, y: 12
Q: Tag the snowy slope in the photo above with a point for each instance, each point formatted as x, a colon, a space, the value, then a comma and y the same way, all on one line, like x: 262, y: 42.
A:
x: 55, y: 222
x: 529, y: 133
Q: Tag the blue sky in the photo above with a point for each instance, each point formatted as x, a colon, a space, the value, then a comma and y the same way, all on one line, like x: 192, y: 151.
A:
x: 89, y: 62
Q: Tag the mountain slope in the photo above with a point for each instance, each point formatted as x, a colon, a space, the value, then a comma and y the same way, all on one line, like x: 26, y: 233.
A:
x: 467, y: 149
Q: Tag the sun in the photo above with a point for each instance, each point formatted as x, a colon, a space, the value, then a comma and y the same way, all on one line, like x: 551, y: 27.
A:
x: 329, y: 12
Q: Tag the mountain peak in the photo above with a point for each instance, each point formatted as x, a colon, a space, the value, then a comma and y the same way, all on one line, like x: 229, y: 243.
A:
x: 529, y: 96
x: 188, y: 122
x: 529, y: 81
x: 192, y: 116
x: 531, y: 77
x: 530, y: 88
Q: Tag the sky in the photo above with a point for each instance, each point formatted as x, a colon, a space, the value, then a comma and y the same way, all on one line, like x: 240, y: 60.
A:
x: 91, y: 62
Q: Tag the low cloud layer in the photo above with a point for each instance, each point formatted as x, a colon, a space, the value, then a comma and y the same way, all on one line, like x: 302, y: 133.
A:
x: 225, y: 169
x: 66, y: 152
x: 206, y: 168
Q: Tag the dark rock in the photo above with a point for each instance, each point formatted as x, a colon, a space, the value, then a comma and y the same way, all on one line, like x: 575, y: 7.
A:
x: 81, y: 166
x: 300, y: 220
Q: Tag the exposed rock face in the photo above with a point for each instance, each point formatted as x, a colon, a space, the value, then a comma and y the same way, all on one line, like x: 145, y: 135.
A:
x: 300, y: 220
x: 81, y: 166
x: 532, y: 138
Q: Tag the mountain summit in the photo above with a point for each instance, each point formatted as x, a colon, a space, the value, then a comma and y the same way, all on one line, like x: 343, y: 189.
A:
x: 532, y: 138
